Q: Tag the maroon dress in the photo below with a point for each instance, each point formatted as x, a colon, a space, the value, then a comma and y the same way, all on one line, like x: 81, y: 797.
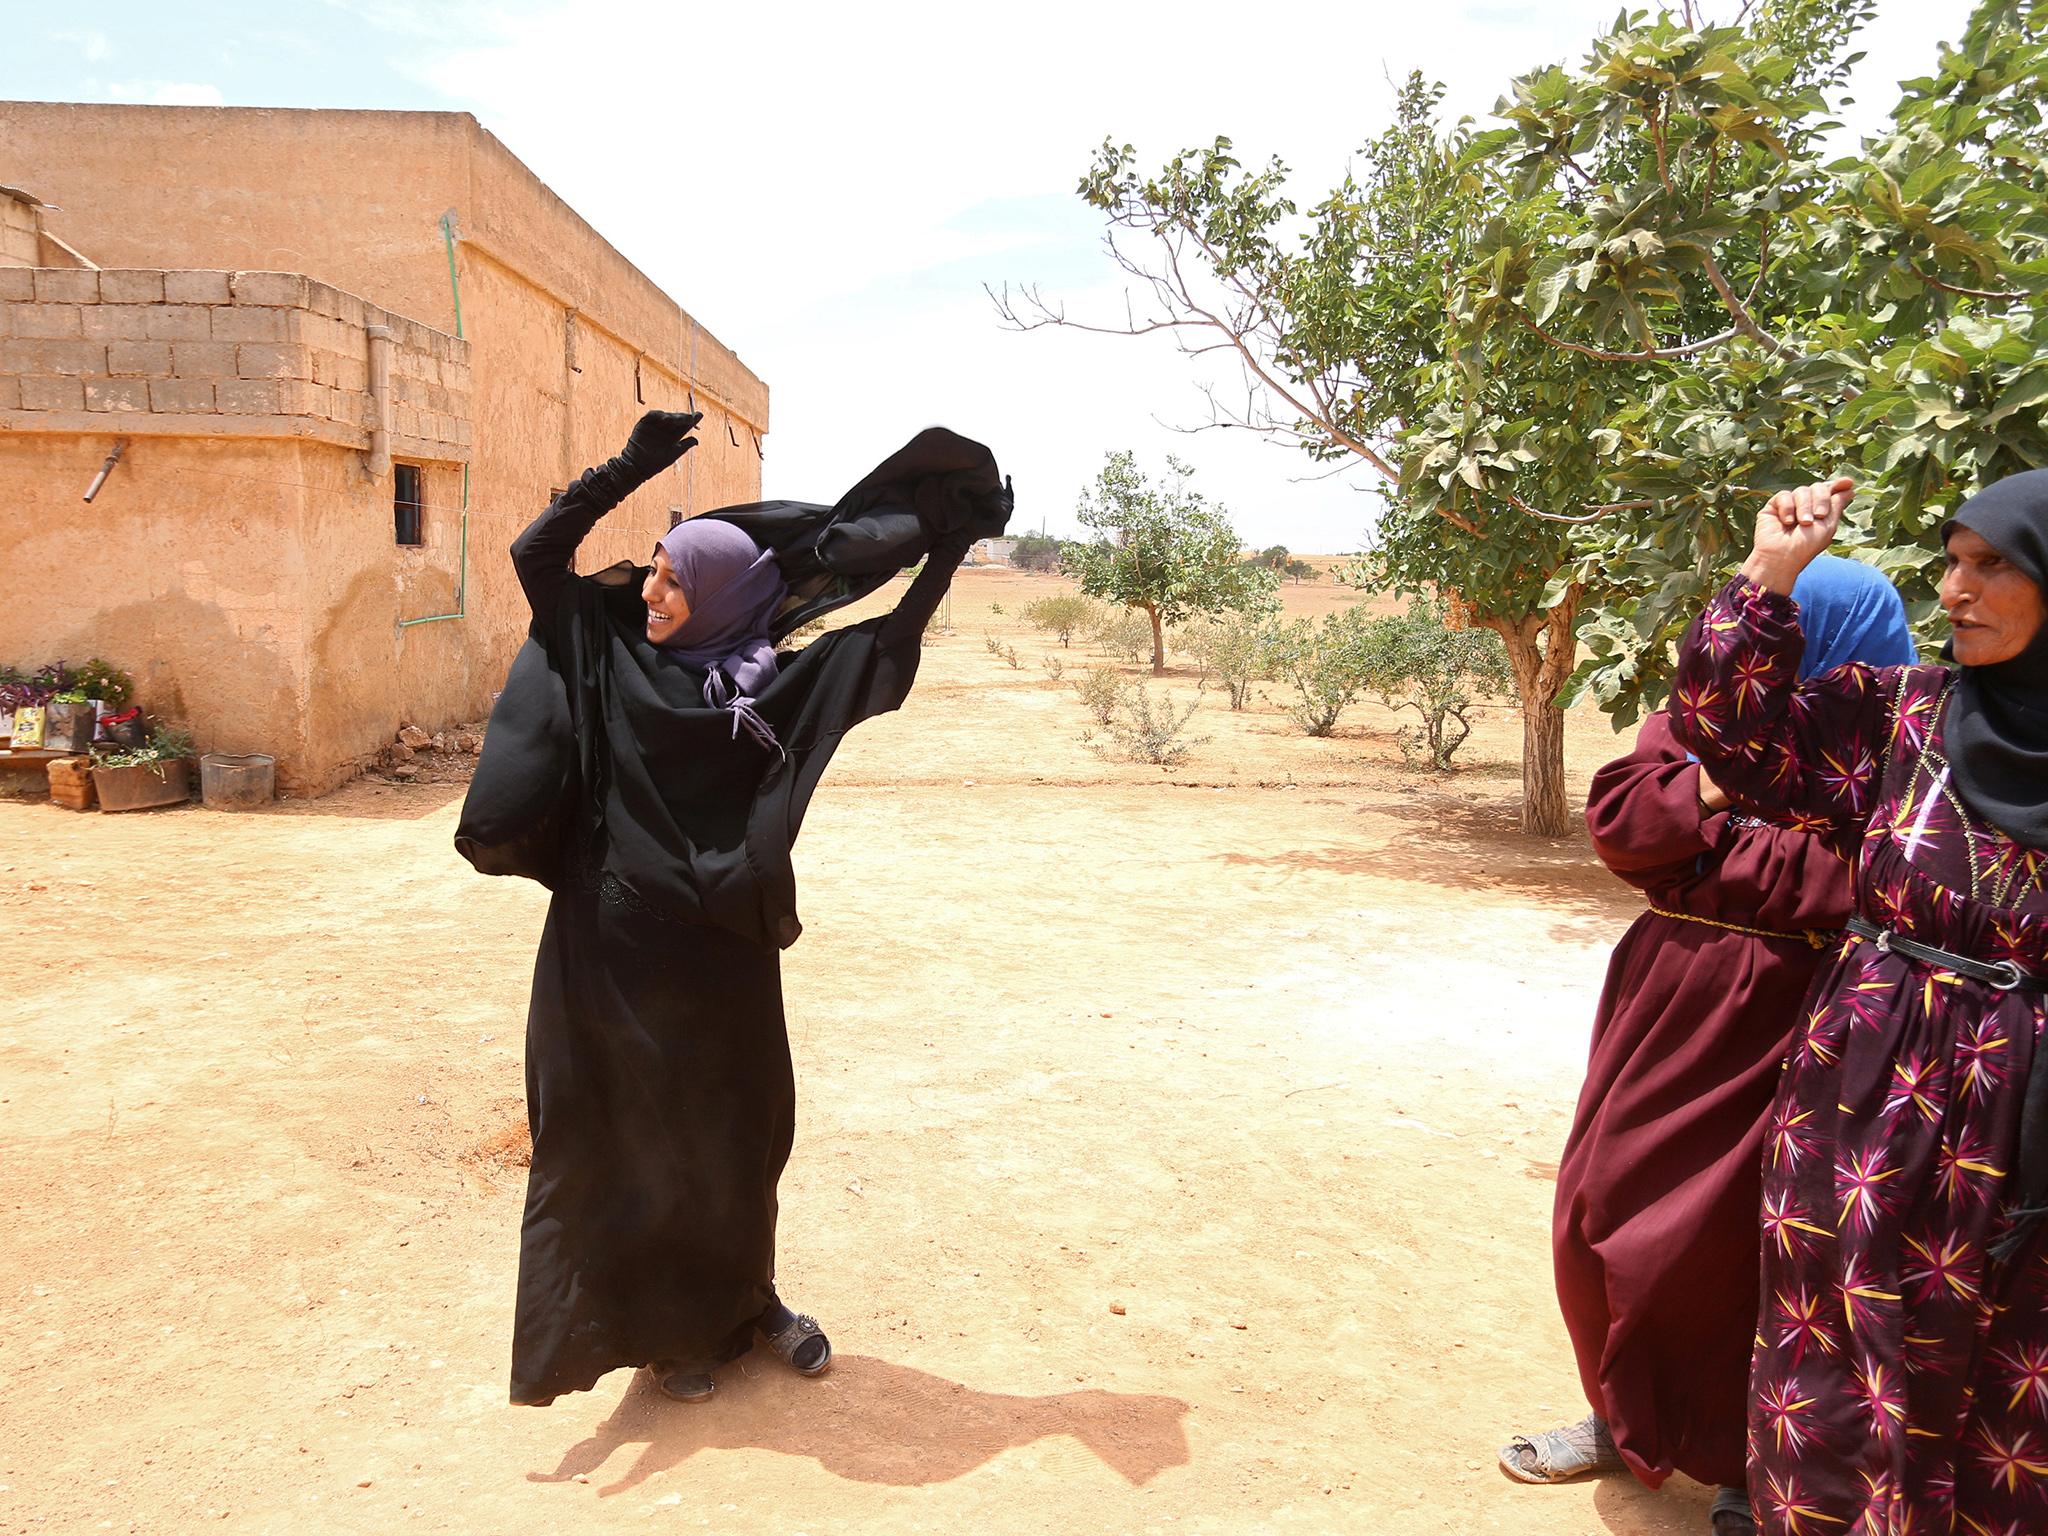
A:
x: 1900, y: 1380
x: 1655, y: 1229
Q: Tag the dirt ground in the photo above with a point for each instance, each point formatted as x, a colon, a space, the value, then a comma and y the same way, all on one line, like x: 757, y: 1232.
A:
x: 1174, y: 1150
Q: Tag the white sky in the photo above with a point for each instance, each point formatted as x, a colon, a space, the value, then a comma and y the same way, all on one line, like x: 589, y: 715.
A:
x: 828, y: 186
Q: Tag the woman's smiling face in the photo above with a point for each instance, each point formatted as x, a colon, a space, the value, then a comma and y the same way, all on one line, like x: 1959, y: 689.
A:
x: 667, y: 607
x: 1995, y: 606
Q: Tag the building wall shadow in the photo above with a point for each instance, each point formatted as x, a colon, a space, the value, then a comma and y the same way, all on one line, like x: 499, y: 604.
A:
x: 873, y: 1422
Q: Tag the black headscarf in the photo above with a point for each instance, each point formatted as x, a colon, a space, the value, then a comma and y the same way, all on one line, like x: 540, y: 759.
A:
x: 1998, y: 717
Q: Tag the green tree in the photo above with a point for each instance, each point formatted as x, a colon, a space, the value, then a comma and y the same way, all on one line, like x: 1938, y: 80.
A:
x: 1036, y: 552
x: 1579, y: 347
x: 1782, y: 311
x: 1164, y: 550
x: 1341, y: 319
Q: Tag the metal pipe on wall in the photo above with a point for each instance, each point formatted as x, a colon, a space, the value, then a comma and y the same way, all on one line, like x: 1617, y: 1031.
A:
x: 380, y: 400
x: 461, y: 608
x: 106, y: 469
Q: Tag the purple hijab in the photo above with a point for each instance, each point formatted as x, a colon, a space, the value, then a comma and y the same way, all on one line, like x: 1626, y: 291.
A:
x: 734, y: 589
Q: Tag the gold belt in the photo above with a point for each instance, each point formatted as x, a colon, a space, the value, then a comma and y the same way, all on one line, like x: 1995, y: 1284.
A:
x: 1819, y: 938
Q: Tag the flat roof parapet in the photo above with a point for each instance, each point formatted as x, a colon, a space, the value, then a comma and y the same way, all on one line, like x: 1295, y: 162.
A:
x: 195, y: 352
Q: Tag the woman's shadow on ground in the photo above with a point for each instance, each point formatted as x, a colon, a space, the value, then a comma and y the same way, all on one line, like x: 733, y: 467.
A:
x: 874, y: 1422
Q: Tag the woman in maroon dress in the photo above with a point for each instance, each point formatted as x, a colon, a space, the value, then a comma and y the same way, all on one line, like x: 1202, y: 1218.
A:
x: 1900, y: 1379
x: 1655, y: 1227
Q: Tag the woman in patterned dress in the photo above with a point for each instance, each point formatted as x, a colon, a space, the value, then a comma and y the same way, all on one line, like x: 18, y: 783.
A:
x: 1654, y: 1230
x: 1900, y: 1380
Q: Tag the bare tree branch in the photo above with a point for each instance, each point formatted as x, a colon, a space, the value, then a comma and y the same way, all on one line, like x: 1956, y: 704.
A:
x: 1250, y: 324
x: 1738, y: 311
x: 1591, y: 515
x: 1969, y: 293
x: 1763, y: 263
x: 1576, y: 169
x: 1651, y: 355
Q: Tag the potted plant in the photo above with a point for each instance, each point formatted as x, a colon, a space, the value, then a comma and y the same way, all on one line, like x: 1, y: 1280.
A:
x: 112, y: 691
x: 17, y: 691
x: 136, y: 778
x: 73, y: 719
x: 70, y: 718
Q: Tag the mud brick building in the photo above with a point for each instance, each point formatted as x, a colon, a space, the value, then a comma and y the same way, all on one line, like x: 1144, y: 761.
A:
x: 345, y: 356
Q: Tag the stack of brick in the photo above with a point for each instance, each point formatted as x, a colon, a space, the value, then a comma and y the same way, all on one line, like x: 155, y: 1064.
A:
x: 71, y: 782
x: 178, y: 350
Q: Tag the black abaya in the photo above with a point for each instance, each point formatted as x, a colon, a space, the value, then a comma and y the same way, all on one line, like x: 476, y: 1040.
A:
x: 659, y: 1088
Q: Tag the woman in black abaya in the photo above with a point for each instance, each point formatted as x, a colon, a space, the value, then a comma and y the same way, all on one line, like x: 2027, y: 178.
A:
x: 650, y: 761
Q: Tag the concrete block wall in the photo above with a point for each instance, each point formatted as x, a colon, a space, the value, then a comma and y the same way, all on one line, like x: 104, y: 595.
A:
x: 265, y: 353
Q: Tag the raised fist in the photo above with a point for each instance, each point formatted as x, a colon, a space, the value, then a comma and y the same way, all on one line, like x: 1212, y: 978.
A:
x: 1794, y: 527
x: 992, y: 512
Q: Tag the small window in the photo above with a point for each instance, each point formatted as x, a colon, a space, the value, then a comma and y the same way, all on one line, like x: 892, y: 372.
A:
x: 406, y: 505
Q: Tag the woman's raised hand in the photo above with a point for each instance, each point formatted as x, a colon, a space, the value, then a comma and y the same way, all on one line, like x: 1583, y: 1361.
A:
x: 659, y: 439
x: 1793, y: 527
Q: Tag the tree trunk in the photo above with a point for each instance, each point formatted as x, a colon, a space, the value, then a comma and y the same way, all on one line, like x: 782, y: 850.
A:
x: 1158, y: 644
x: 1544, y: 810
x: 1540, y: 649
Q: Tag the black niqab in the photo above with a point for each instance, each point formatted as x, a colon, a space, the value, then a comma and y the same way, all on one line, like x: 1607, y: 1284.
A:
x: 1998, y: 715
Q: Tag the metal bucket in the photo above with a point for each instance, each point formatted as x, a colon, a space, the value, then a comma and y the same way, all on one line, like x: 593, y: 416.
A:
x: 237, y: 781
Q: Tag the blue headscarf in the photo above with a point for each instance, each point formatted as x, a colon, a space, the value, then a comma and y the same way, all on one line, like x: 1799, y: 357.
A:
x: 1850, y: 612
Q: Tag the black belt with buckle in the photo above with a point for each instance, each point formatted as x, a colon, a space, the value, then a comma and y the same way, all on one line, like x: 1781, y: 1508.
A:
x: 2005, y: 975
x: 2029, y: 1209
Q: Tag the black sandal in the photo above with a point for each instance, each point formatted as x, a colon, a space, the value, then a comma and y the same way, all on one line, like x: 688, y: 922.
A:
x: 681, y: 1383
x: 1731, y: 1514
x: 790, y: 1340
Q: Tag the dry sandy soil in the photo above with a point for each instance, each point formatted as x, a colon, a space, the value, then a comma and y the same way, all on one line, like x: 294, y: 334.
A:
x: 1174, y: 1151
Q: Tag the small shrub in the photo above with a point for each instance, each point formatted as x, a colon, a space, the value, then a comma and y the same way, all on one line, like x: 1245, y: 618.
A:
x: 1062, y: 615
x: 996, y: 609
x: 1237, y: 649
x: 996, y: 648
x: 1415, y: 661
x: 1328, y: 666
x: 1142, y: 732
x: 1125, y: 633
x: 1100, y: 689
x: 1055, y: 668
x: 166, y: 743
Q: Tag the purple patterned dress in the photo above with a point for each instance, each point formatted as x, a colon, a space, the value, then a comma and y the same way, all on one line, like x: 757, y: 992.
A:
x: 1900, y: 1381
